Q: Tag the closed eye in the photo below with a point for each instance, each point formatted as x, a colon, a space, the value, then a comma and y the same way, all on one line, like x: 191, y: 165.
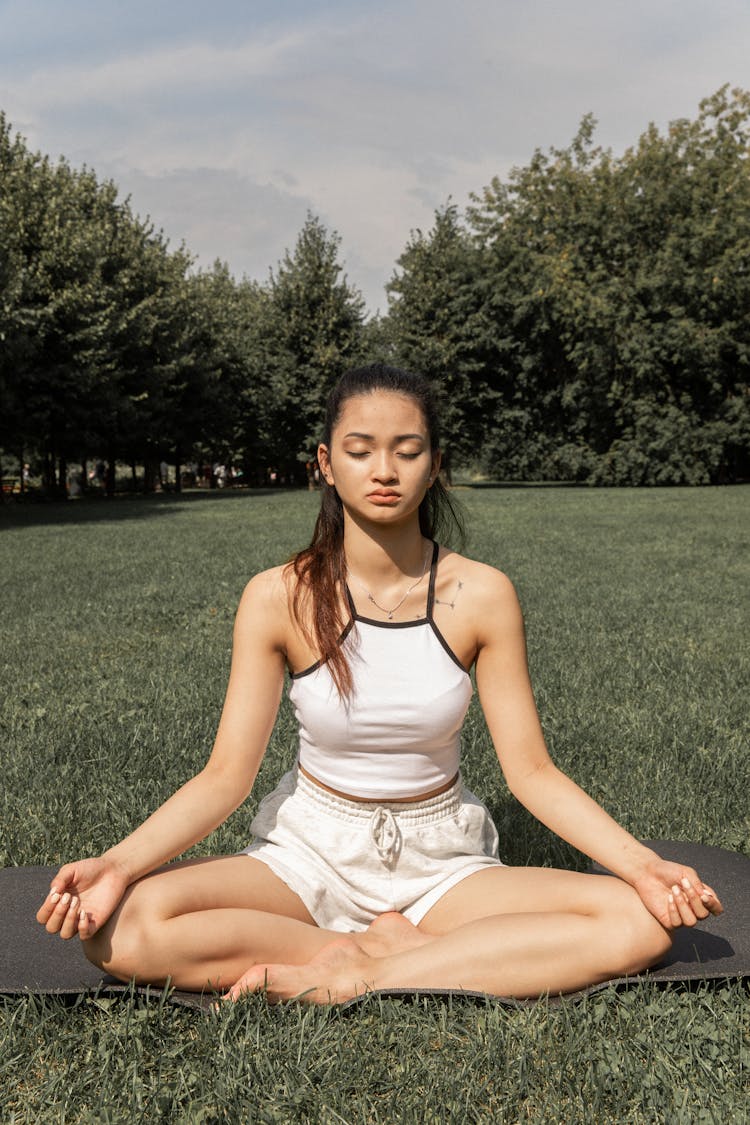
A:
x: 358, y: 454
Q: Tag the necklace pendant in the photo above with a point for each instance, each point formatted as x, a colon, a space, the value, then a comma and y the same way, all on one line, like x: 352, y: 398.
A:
x: 390, y: 616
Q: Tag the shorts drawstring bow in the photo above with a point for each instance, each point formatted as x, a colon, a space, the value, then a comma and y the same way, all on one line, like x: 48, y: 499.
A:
x: 385, y: 835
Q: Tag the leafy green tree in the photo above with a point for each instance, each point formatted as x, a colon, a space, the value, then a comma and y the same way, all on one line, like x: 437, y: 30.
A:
x: 91, y: 336
x: 215, y: 402
x: 685, y: 339
x: 11, y: 436
x: 437, y: 325
x: 589, y: 318
x: 314, y: 332
x: 624, y: 284
x: 552, y: 294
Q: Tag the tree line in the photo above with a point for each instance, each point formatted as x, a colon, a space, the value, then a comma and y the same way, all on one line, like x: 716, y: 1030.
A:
x: 587, y: 318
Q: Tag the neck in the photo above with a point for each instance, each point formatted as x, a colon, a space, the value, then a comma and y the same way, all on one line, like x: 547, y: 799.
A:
x: 382, y: 555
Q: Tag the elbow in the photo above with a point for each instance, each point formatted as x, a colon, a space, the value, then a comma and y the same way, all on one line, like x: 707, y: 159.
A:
x: 524, y: 783
x: 230, y: 787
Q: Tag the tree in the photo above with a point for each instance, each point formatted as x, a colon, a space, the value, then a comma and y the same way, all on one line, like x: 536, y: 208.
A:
x: 685, y: 341
x: 314, y: 332
x: 625, y: 286
x: 217, y: 400
x: 90, y: 320
x: 437, y: 325
x: 17, y: 168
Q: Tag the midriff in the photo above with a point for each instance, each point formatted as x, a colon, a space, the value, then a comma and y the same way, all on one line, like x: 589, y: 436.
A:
x: 379, y: 800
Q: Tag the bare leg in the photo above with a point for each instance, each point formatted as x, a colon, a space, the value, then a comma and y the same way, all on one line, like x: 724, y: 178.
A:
x: 204, y: 923
x: 550, y: 932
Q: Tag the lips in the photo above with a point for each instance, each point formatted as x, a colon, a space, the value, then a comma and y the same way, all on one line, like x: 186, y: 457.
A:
x: 383, y: 496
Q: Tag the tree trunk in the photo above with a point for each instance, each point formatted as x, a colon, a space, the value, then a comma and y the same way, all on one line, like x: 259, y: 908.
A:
x: 21, y: 473
x: 178, y: 469
x: 62, y: 477
x: 150, y: 474
x: 109, y: 479
x: 48, y: 474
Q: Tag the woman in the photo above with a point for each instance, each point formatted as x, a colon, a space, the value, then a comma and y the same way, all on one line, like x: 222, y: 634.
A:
x: 371, y: 866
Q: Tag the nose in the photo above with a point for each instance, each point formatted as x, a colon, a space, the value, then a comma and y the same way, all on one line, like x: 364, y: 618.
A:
x: 384, y: 468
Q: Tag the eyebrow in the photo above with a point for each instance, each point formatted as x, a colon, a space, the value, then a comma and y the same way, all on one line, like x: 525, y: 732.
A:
x: 370, y: 437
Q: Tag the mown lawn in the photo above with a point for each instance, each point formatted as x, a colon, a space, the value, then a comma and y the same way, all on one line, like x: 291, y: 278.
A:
x: 116, y: 631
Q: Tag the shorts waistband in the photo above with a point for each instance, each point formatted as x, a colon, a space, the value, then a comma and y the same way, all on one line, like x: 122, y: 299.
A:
x: 429, y: 811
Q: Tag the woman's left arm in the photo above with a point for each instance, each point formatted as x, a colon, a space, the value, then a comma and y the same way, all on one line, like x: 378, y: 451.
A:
x: 673, y: 893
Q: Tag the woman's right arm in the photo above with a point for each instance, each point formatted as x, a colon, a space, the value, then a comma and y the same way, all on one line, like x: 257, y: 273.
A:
x: 94, y: 886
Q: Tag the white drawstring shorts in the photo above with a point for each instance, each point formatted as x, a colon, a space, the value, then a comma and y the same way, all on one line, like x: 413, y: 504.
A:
x: 350, y: 861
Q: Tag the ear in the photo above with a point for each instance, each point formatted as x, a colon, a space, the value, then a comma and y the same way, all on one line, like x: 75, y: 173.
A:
x: 324, y: 461
x: 437, y: 458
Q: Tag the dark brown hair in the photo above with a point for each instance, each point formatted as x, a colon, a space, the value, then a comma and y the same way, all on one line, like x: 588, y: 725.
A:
x: 320, y: 569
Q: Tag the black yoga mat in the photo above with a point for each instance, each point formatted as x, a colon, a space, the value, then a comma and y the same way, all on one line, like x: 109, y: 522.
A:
x: 32, y: 961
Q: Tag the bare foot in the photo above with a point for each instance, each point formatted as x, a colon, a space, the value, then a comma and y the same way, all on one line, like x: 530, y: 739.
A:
x: 390, y: 933
x: 339, y: 972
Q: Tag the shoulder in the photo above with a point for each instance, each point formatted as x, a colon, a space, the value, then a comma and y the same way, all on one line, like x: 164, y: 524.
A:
x: 488, y: 595
x: 264, y: 605
x: 486, y: 583
x: 266, y: 588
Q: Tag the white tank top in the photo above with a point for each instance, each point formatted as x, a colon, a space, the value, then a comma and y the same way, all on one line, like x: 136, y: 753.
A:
x: 398, y: 734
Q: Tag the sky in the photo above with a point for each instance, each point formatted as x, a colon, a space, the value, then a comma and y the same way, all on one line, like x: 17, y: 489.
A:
x: 227, y: 122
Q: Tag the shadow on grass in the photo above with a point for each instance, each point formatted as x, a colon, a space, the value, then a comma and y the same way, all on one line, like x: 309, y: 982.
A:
x: 38, y: 512
x: 525, y: 484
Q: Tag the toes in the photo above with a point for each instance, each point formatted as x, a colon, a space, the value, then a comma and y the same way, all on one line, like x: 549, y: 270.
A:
x: 256, y: 980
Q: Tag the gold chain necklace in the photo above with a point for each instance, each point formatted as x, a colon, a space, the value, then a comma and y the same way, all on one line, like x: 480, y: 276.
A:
x: 390, y: 612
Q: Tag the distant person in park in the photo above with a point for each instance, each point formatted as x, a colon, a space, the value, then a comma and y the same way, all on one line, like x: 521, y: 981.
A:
x: 371, y: 865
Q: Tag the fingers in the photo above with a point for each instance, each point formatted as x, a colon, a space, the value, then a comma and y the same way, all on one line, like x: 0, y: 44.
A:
x: 58, y: 887
x: 86, y: 927
x: 691, y: 901
x: 65, y: 876
x: 673, y: 915
x: 711, y: 900
x: 692, y: 886
x: 61, y: 914
x: 56, y: 890
x: 45, y: 910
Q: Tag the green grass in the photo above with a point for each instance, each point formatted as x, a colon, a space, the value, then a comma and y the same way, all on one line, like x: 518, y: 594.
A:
x: 116, y: 627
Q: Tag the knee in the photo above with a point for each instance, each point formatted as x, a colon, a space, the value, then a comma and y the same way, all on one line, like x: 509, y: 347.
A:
x: 645, y: 942
x: 117, y: 948
x: 98, y: 949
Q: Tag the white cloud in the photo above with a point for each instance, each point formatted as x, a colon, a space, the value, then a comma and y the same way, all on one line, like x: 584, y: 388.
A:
x: 370, y: 115
x: 220, y: 214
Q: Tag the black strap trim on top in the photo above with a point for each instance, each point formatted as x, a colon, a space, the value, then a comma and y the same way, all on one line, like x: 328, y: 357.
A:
x: 402, y: 624
x: 433, y: 578
x: 314, y: 667
x: 447, y: 647
x: 430, y: 608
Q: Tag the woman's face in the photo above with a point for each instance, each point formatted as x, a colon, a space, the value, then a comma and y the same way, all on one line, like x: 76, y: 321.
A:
x: 380, y: 460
